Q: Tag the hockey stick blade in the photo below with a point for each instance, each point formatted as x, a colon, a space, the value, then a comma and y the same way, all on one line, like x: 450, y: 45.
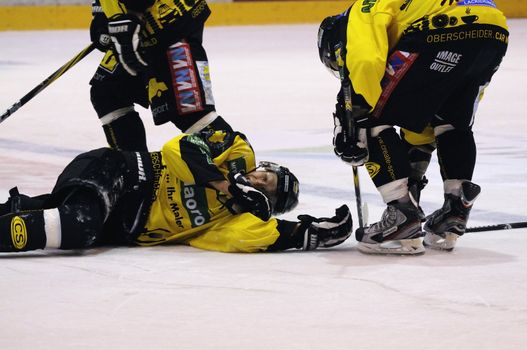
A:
x: 497, y: 227
x: 37, y: 89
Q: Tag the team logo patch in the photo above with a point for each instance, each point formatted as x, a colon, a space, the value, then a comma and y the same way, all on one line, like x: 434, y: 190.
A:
x: 373, y: 169
x: 109, y: 62
x: 18, y: 232
x: 155, y: 89
x: 184, y: 79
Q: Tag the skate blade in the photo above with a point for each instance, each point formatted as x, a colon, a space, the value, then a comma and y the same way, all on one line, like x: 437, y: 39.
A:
x: 396, y: 247
x: 437, y: 242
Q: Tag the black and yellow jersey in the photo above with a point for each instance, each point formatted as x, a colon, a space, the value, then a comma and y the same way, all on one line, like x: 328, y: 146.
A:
x: 164, y: 20
x: 186, y: 210
x: 375, y: 26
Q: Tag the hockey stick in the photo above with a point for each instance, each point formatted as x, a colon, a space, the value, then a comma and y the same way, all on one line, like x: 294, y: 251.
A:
x: 497, y: 227
x: 350, y: 129
x: 47, y: 82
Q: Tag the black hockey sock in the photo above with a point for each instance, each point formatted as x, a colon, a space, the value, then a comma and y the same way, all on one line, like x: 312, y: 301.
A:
x: 456, y: 152
x: 388, y: 160
x: 73, y: 225
x: 22, y: 231
x: 127, y: 133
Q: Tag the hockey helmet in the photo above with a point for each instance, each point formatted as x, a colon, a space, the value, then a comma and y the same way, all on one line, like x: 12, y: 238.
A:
x: 286, y: 198
x: 327, y: 40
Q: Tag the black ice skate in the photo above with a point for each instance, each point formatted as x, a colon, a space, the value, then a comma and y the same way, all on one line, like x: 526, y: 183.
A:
x: 445, y: 225
x: 399, y: 232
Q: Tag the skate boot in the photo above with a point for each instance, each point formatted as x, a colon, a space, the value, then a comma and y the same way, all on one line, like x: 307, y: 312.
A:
x: 17, y: 202
x: 445, y: 225
x: 13, y: 202
x: 398, y: 232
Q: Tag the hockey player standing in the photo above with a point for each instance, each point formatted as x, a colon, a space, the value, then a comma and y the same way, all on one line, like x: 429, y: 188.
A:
x: 154, y: 57
x: 411, y: 63
x: 202, y: 190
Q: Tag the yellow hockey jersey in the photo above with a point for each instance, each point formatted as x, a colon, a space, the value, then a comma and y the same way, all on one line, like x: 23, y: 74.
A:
x: 375, y: 26
x: 185, y: 210
x: 163, y: 18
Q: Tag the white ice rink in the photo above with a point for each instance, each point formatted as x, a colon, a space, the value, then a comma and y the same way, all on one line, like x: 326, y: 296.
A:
x: 268, y: 83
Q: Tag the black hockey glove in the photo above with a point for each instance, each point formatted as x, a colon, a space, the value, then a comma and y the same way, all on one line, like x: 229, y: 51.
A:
x: 348, y: 147
x: 247, y: 199
x: 99, y: 29
x: 124, y: 32
x: 327, y: 232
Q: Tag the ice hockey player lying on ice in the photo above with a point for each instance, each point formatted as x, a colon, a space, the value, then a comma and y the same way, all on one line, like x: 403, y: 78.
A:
x: 202, y: 190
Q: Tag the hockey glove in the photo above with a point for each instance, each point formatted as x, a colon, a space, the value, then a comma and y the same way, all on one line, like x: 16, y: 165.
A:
x: 99, y: 29
x: 247, y: 199
x: 327, y: 232
x: 124, y: 32
x: 348, y: 147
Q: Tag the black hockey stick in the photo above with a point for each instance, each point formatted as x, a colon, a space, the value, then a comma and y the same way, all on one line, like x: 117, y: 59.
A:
x: 47, y: 82
x: 350, y: 129
x: 497, y: 227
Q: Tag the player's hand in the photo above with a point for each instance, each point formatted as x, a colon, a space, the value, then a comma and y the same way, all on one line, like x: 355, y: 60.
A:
x: 99, y: 29
x: 327, y: 232
x: 124, y: 31
x: 246, y: 198
x: 348, y: 147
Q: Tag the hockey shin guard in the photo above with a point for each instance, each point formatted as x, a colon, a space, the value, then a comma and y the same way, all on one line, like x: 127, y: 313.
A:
x: 456, y: 151
x: 388, y: 159
x: 126, y: 133
x: 22, y: 231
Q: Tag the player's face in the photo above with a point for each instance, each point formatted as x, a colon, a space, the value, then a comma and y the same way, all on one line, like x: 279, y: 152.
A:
x: 264, y: 180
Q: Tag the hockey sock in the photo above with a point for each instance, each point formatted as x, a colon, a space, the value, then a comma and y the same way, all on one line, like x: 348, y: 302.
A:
x: 388, y: 159
x: 22, y: 231
x: 70, y: 226
x: 456, y: 151
x: 126, y: 133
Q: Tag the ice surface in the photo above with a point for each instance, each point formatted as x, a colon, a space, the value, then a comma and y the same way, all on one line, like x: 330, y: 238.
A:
x: 268, y: 83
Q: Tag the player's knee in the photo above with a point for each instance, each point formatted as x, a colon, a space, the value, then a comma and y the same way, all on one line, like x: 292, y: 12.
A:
x: 80, y: 224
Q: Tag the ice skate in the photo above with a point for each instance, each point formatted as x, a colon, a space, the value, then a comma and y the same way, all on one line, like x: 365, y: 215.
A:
x: 444, y: 226
x: 398, y: 233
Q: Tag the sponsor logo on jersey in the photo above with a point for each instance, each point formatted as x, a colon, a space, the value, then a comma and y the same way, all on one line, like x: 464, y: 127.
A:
x: 18, y: 232
x: 468, y: 35
x: 174, y: 207
x: 184, y: 79
x: 155, y: 89
x: 445, y: 61
x: 476, y: 3
x: 195, y: 202
x: 157, y: 167
x: 367, y: 5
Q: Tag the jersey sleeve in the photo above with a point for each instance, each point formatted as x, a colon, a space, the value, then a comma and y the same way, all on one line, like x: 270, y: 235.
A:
x: 367, y: 47
x: 112, y: 8
x: 189, y: 158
